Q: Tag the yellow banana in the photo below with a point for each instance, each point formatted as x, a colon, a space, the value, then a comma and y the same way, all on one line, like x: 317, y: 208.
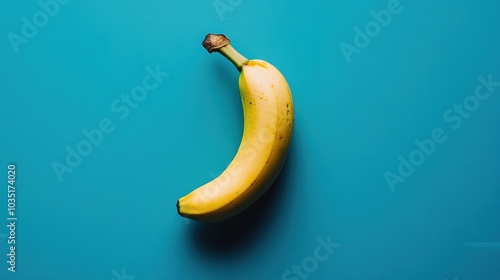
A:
x: 267, y: 132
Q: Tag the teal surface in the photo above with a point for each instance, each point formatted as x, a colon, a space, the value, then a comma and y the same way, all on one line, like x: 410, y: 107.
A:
x: 112, y: 110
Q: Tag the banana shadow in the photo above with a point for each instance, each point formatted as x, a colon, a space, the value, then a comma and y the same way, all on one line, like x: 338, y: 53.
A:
x: 228, y: 238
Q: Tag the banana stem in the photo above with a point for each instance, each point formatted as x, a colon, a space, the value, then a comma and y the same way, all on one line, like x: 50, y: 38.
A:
x: 234, y: 56
x: 220, y: 43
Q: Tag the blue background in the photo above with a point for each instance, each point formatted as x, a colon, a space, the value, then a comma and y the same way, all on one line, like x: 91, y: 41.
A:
x: 113, y: 216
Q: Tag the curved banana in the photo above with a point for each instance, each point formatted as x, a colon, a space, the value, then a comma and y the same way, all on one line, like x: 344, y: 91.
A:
x: 267, y: 132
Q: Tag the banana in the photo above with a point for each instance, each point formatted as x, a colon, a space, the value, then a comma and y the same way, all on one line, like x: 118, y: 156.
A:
x: 267, y: 132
